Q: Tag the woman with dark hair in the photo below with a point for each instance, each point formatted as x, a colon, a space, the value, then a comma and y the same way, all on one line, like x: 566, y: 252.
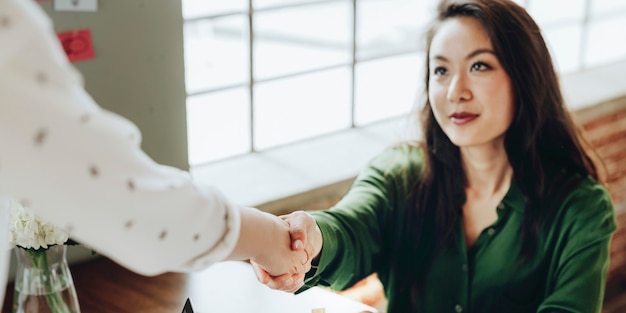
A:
x: 499, y: 209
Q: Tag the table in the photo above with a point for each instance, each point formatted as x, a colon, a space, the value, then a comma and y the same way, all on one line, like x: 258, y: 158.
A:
x: 228, y: 287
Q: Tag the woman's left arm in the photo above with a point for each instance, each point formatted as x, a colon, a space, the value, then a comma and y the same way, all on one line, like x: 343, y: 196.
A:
x: 577, y: 278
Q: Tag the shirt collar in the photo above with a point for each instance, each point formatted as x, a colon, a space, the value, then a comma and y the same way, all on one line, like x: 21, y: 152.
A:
x: 514, y: 198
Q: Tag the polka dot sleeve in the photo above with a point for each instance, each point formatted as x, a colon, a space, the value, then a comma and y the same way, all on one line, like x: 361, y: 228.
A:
x: 81, y: 167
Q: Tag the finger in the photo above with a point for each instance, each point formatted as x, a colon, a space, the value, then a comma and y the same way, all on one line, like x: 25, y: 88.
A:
x: 290, y: 289
x: 304, y: 258
x: 283, y: 282
x: 306, y: 267
x: 297, y: 229
x: 261, y: 275
x: 295, y: 286
x: 296, y: 232
x: 276, y: 285
x: 297, y: 283
x: 297, y: 277
x: 298, y: 236
x: 297, y: 245
x: 309, y: 253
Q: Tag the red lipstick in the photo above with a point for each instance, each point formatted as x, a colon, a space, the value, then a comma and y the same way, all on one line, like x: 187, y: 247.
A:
x: 460, y: 118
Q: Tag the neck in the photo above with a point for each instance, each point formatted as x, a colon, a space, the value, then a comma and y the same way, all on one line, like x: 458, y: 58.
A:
x: 487, y: 170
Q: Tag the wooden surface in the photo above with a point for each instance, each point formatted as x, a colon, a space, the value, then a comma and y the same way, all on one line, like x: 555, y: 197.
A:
x: 104, y: 287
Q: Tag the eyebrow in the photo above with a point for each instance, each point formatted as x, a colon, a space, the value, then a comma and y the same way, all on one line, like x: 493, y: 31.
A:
x: 469, y: 56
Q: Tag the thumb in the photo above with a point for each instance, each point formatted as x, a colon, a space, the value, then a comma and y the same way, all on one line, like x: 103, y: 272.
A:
x: 298, y: 238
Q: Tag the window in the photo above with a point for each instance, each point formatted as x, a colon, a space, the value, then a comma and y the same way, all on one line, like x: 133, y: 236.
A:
x: 293, y: 70
x: 262, y: 74
x: 581, y: 34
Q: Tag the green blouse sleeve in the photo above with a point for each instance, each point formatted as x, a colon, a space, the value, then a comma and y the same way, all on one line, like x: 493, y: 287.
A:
x: 354, y: 229
x: 578, y: 275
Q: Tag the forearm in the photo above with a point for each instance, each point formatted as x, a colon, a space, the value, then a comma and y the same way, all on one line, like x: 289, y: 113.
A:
x: 260, y: 234
x: 346, y: 255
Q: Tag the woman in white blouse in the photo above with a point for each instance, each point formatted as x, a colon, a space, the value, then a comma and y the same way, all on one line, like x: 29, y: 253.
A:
x: 81, y: 168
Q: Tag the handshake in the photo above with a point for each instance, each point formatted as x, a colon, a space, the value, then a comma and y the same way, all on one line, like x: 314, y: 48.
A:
x: 283, y: 265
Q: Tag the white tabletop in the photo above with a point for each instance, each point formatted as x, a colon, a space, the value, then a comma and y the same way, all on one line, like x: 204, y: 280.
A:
x: 235, y: 289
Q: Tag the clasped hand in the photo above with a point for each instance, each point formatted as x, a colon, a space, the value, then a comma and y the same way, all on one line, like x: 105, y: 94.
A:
x: 306, y: 239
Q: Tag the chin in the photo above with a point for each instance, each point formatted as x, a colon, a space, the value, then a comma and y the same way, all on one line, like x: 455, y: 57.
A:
x: 476, y: 142
x: 467, y: 142
x: 462, y: 141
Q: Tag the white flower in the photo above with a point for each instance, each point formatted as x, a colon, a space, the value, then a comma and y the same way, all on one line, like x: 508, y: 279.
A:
x: 28, y: 232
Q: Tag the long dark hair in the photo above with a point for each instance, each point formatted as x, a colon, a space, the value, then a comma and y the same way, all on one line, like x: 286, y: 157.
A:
x: 541, y: 135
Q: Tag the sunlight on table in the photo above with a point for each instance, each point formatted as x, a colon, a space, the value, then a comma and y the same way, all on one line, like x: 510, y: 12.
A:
x: 231, y: 287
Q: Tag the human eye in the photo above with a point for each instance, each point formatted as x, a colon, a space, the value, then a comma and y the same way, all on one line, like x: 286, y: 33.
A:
x: 480, y: 66
x: 439, y: 71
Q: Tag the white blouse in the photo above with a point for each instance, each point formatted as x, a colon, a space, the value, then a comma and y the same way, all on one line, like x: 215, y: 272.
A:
x: 81, y: 167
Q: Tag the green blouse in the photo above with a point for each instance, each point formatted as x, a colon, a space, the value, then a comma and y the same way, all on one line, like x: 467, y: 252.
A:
x: 567, y: 274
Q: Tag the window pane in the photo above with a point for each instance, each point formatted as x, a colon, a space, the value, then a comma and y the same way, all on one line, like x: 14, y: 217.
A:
x: 216, y: 53
x: 301, y: 107
x: 198, y: 8
x: 564, y: 44
x: 301, y: 38
x: 603, y: 45
x: 218, y: 125
x: 385, y: 26
x: 387, y: 87
x: 547, y: 12
x: 262, y: 4
x: 607, y: 6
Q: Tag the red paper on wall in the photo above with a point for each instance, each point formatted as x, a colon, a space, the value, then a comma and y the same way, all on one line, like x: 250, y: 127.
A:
x: 77, y: 45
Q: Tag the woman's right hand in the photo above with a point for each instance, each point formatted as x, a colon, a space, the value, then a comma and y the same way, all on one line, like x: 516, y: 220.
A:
x: 305, y: 235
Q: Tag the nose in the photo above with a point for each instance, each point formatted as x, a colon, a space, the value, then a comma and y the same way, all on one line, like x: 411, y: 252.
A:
x: 458, y: 90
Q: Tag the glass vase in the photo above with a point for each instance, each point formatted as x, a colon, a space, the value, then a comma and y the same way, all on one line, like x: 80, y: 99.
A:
x: 43, y: 282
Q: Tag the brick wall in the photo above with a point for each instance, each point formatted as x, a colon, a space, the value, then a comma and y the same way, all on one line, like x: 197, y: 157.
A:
x: 604, y: 127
